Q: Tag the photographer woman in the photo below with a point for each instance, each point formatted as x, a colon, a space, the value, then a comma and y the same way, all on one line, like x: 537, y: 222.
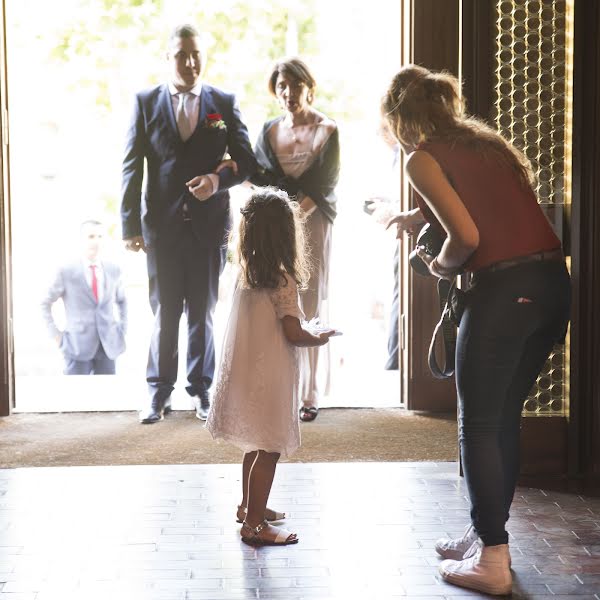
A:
x: 478, y: 188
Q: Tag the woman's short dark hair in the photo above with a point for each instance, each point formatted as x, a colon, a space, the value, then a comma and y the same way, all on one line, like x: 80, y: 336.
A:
x: 295, y: 69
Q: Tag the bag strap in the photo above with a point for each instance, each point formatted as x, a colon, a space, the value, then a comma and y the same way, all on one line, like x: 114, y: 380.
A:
x: 448, y: 330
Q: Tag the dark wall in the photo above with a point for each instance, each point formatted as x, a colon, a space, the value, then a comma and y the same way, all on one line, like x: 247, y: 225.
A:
x: 584, y: 422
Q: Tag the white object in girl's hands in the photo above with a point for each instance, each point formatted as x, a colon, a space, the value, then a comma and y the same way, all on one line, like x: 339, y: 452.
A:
x: 316, y: 327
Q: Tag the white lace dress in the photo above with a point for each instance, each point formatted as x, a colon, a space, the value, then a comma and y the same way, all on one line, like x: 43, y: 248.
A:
x: 255, y: 405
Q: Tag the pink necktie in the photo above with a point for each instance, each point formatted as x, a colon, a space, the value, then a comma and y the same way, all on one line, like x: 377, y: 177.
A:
x: 94, y: 282
x: 182, y: 117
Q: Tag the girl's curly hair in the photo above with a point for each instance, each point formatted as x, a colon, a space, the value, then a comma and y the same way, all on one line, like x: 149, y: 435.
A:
x: 271, y: 240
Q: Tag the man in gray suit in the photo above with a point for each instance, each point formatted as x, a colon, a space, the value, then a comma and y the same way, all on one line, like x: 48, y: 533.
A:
x: 90, y: 288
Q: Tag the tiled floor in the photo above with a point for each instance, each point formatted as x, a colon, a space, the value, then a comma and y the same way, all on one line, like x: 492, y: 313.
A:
x: 366, y: 531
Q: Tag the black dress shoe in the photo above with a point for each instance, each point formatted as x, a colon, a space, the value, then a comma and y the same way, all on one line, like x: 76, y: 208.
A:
x: 153, y: 413
x: 167, y: 408
x: 202, y: 407
x: 308, y: 414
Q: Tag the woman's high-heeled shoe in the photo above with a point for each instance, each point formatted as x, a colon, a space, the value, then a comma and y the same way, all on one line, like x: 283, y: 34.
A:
x: 270, y: 515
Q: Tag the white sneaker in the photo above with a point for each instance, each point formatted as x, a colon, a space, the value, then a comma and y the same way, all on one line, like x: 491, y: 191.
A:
x: 456, y: 548
x: 486, y: 571
x: 478, y: 545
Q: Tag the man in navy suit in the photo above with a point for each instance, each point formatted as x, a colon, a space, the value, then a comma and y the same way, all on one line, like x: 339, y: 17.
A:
x: 92, y: 291
x: 182, y: 130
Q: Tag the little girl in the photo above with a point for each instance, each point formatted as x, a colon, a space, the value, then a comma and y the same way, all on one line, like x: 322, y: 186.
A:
x: 256, y: 401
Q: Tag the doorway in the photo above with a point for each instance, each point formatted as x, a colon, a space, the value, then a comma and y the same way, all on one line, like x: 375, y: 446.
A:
x: 66, y: 152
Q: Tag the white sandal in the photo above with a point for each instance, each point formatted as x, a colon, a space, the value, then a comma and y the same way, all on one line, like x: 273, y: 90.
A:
x: 283, y: 538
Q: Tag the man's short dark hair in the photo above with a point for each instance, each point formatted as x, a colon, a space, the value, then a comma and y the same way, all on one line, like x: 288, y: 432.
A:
x: 93, y: 222
x: 182, y: 32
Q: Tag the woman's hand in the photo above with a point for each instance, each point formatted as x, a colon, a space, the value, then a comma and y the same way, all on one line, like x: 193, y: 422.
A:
x: 435, y: 268
x: 381, y: 210
x: 406, y: 222
x: 228, y: 163
x: 307, y: 204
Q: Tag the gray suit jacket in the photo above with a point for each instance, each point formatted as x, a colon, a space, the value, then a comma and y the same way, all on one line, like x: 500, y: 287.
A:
x: 88, y: 322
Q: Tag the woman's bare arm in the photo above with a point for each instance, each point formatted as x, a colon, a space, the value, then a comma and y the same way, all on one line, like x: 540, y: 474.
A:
x: 427, y: 177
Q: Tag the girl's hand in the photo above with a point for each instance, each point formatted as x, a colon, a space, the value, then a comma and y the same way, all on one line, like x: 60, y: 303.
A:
x: 325, y: 335
x: 227, y: 164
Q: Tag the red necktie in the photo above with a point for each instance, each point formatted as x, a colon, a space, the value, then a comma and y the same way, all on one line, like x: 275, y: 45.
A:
x: 94, y: 282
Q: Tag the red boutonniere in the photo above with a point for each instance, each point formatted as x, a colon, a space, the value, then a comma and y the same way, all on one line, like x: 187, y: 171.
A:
x: 214, y: 121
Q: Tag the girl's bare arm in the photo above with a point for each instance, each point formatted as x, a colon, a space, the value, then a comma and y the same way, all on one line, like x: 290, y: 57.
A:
x: 297, y: 335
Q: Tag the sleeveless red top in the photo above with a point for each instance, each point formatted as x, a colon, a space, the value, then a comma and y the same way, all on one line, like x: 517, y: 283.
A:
x: 507, y: 214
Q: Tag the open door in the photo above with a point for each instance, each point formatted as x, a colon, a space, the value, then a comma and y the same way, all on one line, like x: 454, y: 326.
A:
x: 51, y: 178
x: 433, y: 41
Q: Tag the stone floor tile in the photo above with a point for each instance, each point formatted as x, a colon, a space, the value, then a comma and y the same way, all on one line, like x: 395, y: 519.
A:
x: 574, y: 588
x: 171, y: 535
x: 562, y: 597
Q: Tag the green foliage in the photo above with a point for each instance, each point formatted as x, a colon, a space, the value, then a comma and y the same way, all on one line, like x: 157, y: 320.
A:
x: 99, y: 42
x: 245, y: 38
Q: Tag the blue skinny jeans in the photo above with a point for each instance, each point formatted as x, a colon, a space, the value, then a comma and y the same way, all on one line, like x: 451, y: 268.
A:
x: 513, y: 318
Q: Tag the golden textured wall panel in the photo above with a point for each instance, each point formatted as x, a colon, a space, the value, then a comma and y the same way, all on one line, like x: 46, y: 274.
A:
x: 532, y: 102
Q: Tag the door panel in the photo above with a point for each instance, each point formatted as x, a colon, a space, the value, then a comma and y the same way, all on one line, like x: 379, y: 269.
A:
x: 435, y: 45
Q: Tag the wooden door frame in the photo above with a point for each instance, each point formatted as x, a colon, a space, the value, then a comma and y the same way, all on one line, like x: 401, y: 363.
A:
x: 434, y: 43
x: 6, y: 337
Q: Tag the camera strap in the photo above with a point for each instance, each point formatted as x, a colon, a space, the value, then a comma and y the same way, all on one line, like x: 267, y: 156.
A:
x: 445, y: 328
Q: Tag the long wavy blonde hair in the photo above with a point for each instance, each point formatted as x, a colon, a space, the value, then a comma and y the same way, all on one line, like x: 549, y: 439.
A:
x: 271, y: 240
x: 426, y: 106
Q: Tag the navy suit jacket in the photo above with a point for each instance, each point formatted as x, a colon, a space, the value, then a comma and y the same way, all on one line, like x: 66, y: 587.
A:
x: 153, y: 136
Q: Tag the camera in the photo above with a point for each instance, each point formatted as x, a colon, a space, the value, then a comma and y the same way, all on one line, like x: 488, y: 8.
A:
x: 430, y: 239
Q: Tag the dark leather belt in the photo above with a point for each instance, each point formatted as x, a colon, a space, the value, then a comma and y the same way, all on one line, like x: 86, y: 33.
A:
x: 556, y: 254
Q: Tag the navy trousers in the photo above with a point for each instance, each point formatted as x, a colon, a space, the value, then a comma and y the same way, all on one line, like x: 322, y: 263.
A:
x: 512, y: 320
x: 183, y: 277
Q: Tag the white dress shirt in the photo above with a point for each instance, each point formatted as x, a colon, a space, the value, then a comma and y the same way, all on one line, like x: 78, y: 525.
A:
x: 193, y: 109
x: 87, y: 264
